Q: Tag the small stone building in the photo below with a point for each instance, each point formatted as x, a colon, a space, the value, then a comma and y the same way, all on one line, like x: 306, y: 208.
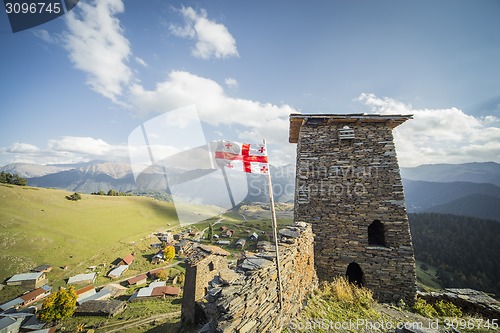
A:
x: 201, y: 267
x: 348, y: 186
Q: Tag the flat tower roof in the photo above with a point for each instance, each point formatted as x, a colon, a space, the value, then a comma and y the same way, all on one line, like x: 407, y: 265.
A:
x: 297, y: 120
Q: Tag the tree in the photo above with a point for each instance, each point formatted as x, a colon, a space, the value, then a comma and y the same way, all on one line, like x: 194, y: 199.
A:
x: 163, y: 275
x: 74, y: 197
x: 59, y: 305
x: 13, y: 179
x: 112, y: 193
x: 210, y: 234
x: 169, y: 252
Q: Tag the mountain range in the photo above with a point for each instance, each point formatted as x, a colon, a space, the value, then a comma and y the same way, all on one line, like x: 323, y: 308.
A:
x: 471, y: 189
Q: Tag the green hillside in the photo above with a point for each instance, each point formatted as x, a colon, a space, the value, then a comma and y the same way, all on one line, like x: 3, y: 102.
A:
x: 39, y: 226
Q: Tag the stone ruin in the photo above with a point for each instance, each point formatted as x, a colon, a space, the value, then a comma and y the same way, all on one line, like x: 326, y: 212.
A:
x: 245, y: 299
x: 348, y: 186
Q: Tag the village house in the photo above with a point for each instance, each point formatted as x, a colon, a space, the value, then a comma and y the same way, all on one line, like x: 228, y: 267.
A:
x: 28, y: 280
x: 102, y: 294
x: 165, y: 237
x: 118, y: 271
x: 127, y: 260
x: 152, y: 273
x: 10, y: 324
x: 108, y: 308
x: 240, y: 244
x: 84, y: 293
x: 137, y: 280
x: 33, y: 325
x: 115, y: 289
x: 88, y: 278
x: 156, y: 292
x: 158, y: 258
x: 35, y: 295
x: 253, y: 237
x: 184, y: 247
x: 14, y: 303
x: 42, y: 268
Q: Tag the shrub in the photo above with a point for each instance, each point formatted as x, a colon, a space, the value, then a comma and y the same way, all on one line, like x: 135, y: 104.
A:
x: 447, y: 309
x: 425, y: 309
x: 74, y: 197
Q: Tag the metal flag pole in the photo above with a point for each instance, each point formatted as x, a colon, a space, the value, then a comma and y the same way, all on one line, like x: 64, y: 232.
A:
x: 275, y: 233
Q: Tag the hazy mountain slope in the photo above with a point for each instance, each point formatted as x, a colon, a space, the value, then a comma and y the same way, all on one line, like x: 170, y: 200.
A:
x: 477, y: 205
x: 422, y: 196
x: 83, y: 181
x: 488, y: 172
x: 27, y: 170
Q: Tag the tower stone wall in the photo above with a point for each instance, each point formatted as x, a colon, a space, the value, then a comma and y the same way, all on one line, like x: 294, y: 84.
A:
x: 348, y: 186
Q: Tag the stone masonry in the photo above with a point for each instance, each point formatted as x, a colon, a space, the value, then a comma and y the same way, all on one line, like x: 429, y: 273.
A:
x: 245, y: 299
x: 348, y: 186
x: 201, y: 267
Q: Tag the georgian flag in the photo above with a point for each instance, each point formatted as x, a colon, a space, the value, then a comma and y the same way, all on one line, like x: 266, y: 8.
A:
x: 246, y: 157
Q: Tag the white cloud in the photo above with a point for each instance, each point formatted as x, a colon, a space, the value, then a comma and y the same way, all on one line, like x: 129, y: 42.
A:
x: 439, y: 135
x: 68, y: 149
x: 253, y: 120
x: 141, y: 61
x: 22, y: 148
x: 231, y: 82
x: 45, y: 36
x: 212, y: 39
x: 97, y: 46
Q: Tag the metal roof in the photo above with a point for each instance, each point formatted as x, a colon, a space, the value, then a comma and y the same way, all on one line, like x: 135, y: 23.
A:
x: 157, y: 284
x: 6, y: 322
x: 11, y: 303
x: 100, y: 295
x: 81, y: 278
x: 297, y: 120
x: 118, y: 271
x: 25, y: 276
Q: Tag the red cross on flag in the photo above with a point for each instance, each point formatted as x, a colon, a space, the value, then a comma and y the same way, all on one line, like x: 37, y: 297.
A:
x: 248, y: 157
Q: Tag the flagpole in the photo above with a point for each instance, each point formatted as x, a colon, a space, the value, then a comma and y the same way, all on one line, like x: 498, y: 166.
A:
x: 275, y: 233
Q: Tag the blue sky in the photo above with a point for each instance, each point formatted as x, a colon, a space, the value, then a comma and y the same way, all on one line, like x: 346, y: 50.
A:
x: 74, y: 88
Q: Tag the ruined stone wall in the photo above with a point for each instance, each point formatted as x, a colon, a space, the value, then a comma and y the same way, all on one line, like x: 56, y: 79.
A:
x: 342, y: 186
x: 246, y: 299
x: 201, y: 267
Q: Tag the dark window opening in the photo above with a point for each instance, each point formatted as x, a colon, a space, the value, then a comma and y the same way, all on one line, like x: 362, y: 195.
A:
x: 211, y: 266
x: 376, y: 234
x: 354, y: 274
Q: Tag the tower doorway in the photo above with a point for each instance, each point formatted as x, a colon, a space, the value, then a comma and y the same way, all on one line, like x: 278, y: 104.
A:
x: 354, y: 274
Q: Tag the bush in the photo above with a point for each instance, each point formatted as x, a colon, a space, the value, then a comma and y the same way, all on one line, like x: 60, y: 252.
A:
x: 74, y: 197
x: 447, y: 309
x: 425, y: 309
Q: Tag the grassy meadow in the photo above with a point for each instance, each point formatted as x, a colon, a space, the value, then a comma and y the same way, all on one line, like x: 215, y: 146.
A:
x: 40, y: 226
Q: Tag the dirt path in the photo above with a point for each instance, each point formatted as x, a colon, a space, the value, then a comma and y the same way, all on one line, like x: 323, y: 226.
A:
x: 118, y: 327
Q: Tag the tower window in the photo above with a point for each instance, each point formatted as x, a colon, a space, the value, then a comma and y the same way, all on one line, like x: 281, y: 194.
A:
x: 376, y: 234
x: 346, y: 133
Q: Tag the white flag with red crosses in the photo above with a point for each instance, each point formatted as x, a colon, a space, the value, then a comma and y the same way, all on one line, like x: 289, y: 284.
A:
x: 246, y: 157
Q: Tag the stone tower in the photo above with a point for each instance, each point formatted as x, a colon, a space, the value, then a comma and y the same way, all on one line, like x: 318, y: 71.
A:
x: 348, y: 186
